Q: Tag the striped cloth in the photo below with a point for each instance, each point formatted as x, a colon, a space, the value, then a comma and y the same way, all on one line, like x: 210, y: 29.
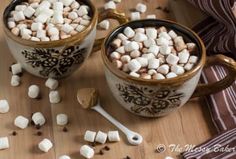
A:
x: 218, y: 32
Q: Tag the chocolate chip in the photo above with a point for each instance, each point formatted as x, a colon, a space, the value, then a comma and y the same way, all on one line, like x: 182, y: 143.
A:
x: 127, y: 157
x: 166, y: 10
x: 38, y: 126
x: 159, y: 8
x: 101, y: 152
x: 39, y: 133
x: 107, y: 148
x: 65, y: 129
x: 14, y: 133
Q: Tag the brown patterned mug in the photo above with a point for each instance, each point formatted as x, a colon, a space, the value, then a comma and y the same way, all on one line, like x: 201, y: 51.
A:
x: 154, y: 98
x: 57, y: 58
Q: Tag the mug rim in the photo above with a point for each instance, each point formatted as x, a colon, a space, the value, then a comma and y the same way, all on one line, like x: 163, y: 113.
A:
x: 46, y: 44
x: 176, y: 80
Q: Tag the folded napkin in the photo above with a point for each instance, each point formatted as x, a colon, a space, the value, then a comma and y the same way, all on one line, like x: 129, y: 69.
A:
x: 218, y: 32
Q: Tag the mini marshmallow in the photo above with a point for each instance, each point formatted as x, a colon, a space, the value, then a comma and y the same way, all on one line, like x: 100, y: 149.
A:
x: 41, y: 33
x: 89, y: 136
x: 149, y: 42
x: 151, y: 16
x: 163, y: 69
x: 172, y: 59
x: 183, y: 56
x: 162, y: 41
x: 104, y: 24
x: 4, y: 106
x: 29, y: 12
x: 80, y: 28
x: 152, y: 72
x: 52, y: 83
x: 45, y: 4
x: 168, y: 157
x: 121, y: 50
x: 121, y: 36
x: 82, y: 11
x: 125, y: 42
x: 193, y: 59
x: 110, y: 5
x: 153, y: 63
x: 53, y: 37
x: 118, y: 64
x: 86, y: 151
x: 135, y: 54
x: 15, y: 80
x: 38, y: 119
x: 171, y: 75
x: 115, y: 55
x: 191, y: 46
x: 84, y: 22
x: 34, y: 5
x: 179, y: 43
x: 158, y: 76
x: 151, y: 33
x: 134, y: 65
x: 188, y: 66
x: 131, y: 46
x: 67, y: 28
x: 58, y: 6
x: 179, y: 70
x: 25, y: 32
x: 20, y: 7
x: 67, y: 2
x: 172, y: 34
x: 148, y: 56
x: 21, y: 122
x: 101, y: 137
x: 154, y: 49
x: 42, y: 18
x: 125, y: 68
x: 129, y: 32
x: 18, y: 16
x: 45, y: 145
x: 11, y: 24
x: 135, y: 16
x: 54, y: 97
x: 116, y: 43
x: 125, y: 58
x: 117, y: 1
x: 140, y: 37
x: 145, y: 76
x: 16, y: 68
x: 72, y: 15
x: 53, y: 31
x: 22, y: 26
x: 33, y: 91
x: 164, y: 35
x: 75, y: 5
x: 57, y: 18
x: 64, y: 157
x: 86, y: 17
x: 141, y: 7
x: 4, y: 143
x: 62, y: 119
x: 140, y: 30
x: 165, y: 50
x: 134, y: 74
x: 36, y: 26
x: 143, y: 61
x: 45, y: 39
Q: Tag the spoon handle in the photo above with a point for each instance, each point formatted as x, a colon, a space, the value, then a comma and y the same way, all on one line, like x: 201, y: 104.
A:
x: 133, y: 137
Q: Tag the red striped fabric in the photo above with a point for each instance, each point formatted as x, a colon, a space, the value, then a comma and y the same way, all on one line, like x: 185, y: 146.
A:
x: 218, y: 32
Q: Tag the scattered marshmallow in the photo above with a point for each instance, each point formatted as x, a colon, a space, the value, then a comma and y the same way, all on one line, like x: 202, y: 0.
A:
x: 4, y: 106
x: 151, y: 16
x: 64, y: 157
x: 15, y: 80
x: 16, y: 68
x: 129, y: 32
x: 86, y: 151
x: 21, y: 122
x: 62, y: 119
x: 113, y: 136
x: 110, y: 5
x: 54, y: 97
x: 101, y: 137
x: 33, y: 91
x: 52, y: 83
x: 45, y: 145
x: 141, y: 7
x: 38, y: 119
x: 135, y: 16
x: 90, y: 136
x: 171, y: 75
x: 4, y: 143
x: 105, y: 24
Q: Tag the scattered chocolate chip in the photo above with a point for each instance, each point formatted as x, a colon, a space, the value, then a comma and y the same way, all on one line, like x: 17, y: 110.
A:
x: 166, y: 10
x: 38, y: 126
x: 159, y: 8
x: 65, y: 129
x: 107, y: 148
x: 127, y: 157
x: 39, y: 133
x: 14, y: 133
x: 101, y: 152
x: 39, y: 97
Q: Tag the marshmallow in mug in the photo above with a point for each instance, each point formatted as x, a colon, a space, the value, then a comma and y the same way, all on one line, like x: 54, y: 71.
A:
x: 152, y: 53
x: 37, y: 16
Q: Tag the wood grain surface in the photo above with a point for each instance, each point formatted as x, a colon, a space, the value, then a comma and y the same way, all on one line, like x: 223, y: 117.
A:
x: 190, y: 125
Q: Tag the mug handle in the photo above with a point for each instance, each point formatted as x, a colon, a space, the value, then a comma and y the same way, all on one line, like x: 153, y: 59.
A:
x: 229, y: 64
x: 108, y: 14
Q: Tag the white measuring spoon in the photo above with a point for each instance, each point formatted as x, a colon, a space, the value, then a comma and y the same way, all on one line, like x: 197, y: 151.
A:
x: 88, y: 98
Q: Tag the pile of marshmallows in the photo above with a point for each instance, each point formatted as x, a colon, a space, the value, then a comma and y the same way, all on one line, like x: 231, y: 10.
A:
x: 100, y: 137
x: 48, y: 20
x: 152, y: 53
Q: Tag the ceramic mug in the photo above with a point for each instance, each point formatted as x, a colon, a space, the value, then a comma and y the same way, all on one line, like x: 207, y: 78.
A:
x: 59, y: 58
x: 154, y: 98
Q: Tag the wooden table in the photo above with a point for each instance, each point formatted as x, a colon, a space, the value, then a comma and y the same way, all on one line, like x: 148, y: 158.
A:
x: 189, y: 125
